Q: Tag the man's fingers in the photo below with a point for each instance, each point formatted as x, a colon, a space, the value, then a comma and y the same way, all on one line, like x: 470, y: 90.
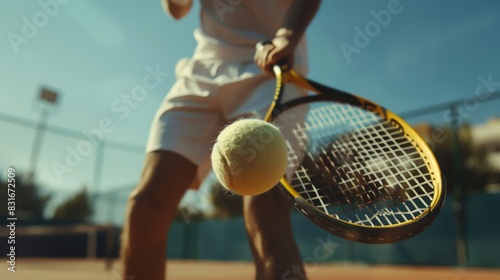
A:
x: 262, y: 56
x: 274, y: 57
x: 259, y: 54
x: 270, y: 54
x: 279, y: 57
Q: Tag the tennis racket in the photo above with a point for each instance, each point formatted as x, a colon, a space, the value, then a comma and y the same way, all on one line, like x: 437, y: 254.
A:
x: 355, y: 169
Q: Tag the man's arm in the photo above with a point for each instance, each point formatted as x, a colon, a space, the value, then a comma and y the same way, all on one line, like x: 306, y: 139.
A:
x: 297, y: 19
x: 286, y: 39
x: 177, y: 8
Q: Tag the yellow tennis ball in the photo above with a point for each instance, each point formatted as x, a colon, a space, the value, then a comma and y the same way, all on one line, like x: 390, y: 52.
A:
x: 249, y: 157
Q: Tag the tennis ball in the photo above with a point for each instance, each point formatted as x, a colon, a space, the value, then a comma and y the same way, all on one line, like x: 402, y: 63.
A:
x: 249, y: 157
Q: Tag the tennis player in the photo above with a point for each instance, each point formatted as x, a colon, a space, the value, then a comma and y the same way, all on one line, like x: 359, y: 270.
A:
x: 223, y: 80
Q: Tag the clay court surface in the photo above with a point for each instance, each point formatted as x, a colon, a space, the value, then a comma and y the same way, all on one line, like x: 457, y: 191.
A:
x: 35, y: 269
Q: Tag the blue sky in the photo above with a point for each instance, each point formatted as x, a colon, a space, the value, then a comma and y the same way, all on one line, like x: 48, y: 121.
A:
x: 94, y: 52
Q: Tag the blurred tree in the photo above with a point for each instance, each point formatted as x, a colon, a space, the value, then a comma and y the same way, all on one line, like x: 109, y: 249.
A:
x: 30, y: 202
x: 472, y: 165
x: 477, y: 168
x: 76, y: 208
x: 443, y: 150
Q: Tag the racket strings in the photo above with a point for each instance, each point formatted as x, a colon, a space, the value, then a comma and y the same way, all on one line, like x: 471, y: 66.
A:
x: 355, y: 166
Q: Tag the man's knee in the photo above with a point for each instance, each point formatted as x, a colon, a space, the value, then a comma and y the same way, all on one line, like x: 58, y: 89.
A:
x: 147, y: 198
x: 166, y: 176
x: 272, y: 203
x: 267, y: 214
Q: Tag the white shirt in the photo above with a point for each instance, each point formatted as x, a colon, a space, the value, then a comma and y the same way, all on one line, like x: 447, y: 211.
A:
x: 230, y: 29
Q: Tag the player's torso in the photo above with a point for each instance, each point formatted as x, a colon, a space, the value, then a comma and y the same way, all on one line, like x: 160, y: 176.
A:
x: 242, y: 22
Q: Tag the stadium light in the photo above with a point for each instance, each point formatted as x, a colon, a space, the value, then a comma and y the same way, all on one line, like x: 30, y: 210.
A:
x: 49, y: 98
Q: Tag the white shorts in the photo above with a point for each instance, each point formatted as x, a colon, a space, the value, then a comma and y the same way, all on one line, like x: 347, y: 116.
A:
x: 207, y: 95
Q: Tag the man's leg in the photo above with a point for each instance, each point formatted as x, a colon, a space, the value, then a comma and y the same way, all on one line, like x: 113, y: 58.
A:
x: 151, y: 209
x: 268, y: 224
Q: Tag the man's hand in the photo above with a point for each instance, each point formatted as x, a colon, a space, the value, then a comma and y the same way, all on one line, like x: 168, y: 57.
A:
x: 279, y: 51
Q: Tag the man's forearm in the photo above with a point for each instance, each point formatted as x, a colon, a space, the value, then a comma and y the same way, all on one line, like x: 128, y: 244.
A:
x: 177, y: 8
x: 297, y: 19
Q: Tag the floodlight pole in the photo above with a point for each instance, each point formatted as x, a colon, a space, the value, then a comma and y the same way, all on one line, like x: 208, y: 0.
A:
x: 459, y: 202
x: 46, y: 96
x: 35, y: 151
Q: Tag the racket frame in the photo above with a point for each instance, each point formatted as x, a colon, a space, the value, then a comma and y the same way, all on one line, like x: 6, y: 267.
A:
x: 345, y: 229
